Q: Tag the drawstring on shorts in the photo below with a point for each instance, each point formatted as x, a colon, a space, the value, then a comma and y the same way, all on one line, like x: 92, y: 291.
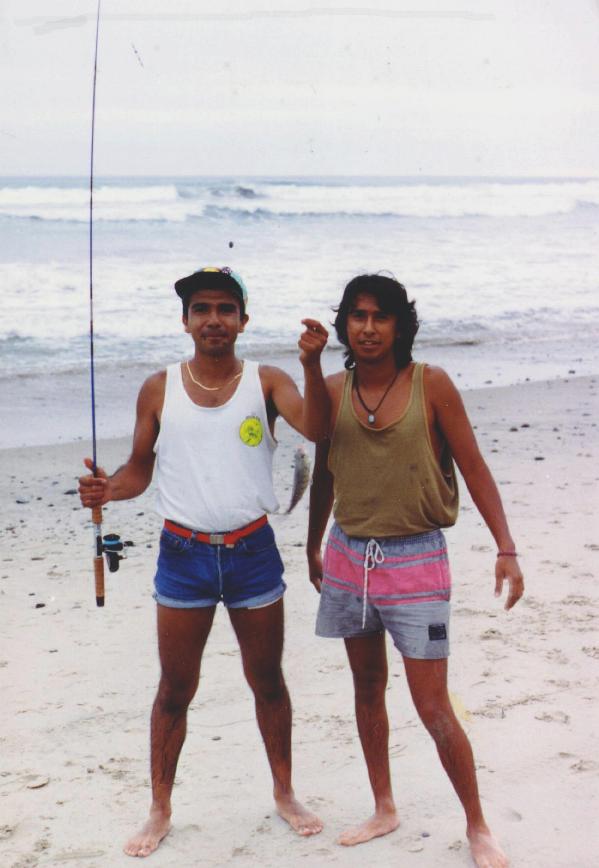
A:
x: 372, y: 556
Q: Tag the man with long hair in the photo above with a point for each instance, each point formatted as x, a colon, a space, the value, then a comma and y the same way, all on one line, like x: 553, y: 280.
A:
x: 387, y: 471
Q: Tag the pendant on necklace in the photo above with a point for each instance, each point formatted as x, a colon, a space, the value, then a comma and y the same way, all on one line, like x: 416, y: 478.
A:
x: 371, y: 418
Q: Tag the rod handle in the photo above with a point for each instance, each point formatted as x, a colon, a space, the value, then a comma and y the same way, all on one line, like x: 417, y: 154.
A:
x: 98, y: 558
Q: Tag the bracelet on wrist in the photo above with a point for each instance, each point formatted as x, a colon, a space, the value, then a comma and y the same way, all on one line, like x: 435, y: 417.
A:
x: 507, y: 554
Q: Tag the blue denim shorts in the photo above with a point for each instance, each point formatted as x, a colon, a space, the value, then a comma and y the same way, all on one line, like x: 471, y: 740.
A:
x: 192, y: 574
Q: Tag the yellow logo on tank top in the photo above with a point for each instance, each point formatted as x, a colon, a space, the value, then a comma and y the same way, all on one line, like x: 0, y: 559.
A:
x: 250, y: 431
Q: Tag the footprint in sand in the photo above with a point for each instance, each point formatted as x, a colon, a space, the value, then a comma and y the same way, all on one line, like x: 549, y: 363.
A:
x: 241, y: 851
x: 585, y: 766
x: 555, y: 717
x: 576, y: 600
x: 113, y: 768
x: 77, y: 855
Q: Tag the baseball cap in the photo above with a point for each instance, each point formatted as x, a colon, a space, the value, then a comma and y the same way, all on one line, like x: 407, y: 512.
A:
x: 213, y: 278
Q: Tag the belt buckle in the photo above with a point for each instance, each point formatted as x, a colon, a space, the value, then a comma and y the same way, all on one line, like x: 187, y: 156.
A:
x: 217, y: 539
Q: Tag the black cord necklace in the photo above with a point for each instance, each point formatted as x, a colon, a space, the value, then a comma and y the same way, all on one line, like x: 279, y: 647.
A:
x: 372, y: 413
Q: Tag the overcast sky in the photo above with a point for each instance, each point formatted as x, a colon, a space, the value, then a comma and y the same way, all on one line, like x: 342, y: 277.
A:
x: 397, y: 87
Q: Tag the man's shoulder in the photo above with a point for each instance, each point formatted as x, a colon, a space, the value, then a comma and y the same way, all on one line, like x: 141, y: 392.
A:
x: 155, y: 380
x: 267, y: 370
x: 437, y: 382
x: 271, y: 374
x: 152, y: 389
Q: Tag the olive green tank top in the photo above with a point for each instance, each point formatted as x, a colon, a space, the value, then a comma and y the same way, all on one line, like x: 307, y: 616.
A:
x: 388, y: 481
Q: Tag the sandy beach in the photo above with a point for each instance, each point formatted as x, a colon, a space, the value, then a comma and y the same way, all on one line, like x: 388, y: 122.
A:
x: 77, y: 682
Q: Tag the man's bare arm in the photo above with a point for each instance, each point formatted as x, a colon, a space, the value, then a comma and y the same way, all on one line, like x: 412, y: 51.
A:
x: 308, y: 415
x: 321, y: 503
x: 451, y: 418
x: 317, y: 405
x: 135, y: 475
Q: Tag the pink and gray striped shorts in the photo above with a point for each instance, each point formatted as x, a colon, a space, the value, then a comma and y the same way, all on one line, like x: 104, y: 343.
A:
x: 398, y: 584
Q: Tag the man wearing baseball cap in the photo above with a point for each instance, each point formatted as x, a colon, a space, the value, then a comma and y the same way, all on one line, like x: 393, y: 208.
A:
x: 205, y: 432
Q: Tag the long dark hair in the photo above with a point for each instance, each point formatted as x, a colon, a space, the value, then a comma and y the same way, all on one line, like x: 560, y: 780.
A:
x: 391, y: 297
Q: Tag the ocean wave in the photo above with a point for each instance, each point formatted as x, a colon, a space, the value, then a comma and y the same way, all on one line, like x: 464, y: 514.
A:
x: 262, y: 199
x: 485, y: 199
x: 71, y: 204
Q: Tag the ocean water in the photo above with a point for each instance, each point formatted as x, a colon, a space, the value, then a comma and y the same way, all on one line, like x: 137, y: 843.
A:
x: 505, y: 271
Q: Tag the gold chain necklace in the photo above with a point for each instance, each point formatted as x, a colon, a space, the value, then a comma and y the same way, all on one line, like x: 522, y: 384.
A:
x: 213, y: 388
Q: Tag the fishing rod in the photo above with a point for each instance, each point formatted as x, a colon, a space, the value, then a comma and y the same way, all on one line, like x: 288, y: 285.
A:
x: 97, y: 510
x: 109, y: 544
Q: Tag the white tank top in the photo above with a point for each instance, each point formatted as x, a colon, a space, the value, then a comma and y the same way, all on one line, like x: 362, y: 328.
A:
x: 214, y: 464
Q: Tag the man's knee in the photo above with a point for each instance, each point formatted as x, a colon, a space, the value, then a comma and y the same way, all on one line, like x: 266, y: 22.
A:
x: 266, y: 682
x: 370, y: 685
x: 174, y: 697
x: 439, y: 719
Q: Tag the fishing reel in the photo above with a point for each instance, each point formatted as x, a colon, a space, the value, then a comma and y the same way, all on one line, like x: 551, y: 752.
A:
x: 112, y: 546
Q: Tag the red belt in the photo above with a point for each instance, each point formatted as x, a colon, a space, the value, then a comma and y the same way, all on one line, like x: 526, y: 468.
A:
x: 216, y: 539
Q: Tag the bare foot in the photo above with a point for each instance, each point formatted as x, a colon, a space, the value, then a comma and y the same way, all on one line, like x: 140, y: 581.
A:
x: 485, y: 850
x: 301, y: 820
x: 381, y: 823
x: 150, y: 836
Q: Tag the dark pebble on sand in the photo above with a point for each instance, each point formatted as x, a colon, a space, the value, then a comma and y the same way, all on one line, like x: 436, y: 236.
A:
x: 139, y: 513
x: 525, y: 425
x: 21, y: 501
x: 40, y: 605
x: 216, y: 738
x: 488, y: 382
x: 539, y: 457
x: 426, y: 834
x: 571, y: 371
x: 71, y: 491
x: 513, y: 428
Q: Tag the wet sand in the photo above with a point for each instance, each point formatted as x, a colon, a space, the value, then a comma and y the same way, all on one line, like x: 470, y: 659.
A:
x: 77, y: 682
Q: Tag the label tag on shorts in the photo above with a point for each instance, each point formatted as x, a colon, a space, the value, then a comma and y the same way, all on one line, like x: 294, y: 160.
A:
x: 436, y: 632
